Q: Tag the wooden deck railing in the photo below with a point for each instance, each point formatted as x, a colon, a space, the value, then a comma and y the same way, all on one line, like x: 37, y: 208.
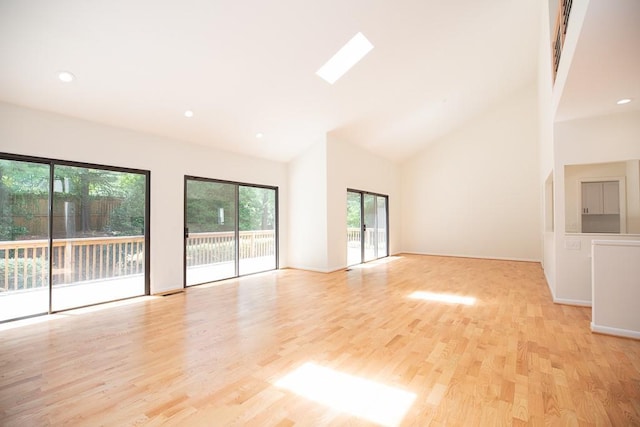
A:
x: 353, y: 235
x: 24, y: 264
x: 560, y: 32
x: 210, y: 248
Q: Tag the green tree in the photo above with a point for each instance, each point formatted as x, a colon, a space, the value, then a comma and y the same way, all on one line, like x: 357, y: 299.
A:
x: 257, y: 208
x: 128, y: 218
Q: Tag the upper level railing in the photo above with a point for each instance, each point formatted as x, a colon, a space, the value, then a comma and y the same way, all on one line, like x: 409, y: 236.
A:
x: 560, y: 32
x: 24, y: 264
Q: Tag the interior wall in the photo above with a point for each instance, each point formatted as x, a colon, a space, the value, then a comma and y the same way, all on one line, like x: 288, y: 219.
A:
x: 36, y: 133
x: 308, y: 210
x: 633, y: 203
x: 477, y: 191
x: 601, y: 139
x: 352, y: 167
x: 545, y: 129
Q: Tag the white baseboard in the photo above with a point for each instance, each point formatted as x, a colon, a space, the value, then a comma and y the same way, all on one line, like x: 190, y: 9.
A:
x: 578, y: 302
x: 615, y: 331
x: 471, y: 256
x: 314, y: 269
x: 553, y: 294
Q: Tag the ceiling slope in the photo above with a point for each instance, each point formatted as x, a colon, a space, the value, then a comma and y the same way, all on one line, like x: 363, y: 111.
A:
x: 249, y: 67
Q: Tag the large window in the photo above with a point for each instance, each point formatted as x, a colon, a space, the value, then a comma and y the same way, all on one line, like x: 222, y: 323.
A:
x: 71, y: 235
x: 230, y: 229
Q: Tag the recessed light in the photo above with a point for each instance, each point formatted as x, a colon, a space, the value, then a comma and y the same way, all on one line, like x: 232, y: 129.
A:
x: 66, y: 76
x: 345, y: 58
x: 259, y: 135
x: 623, y: 101
x: 188, y: 114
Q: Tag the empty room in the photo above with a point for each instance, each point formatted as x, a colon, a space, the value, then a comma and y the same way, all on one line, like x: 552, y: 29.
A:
x: 296, y: 213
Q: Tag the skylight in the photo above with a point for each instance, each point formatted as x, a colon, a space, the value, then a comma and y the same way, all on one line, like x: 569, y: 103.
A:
x: 348, y: 56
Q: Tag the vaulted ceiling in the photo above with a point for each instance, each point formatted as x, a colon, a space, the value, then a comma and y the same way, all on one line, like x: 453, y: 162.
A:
x: 248, y: 67
x: 605, y: 66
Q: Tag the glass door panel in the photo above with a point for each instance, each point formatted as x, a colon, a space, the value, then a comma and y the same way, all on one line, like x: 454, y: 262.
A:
x: 367, y: 227
x: 370, y: 227
x: 257, y: 229
x: 211, y: 236
x: 98, y: 251
x: 354, y: 228
x: 381, y: 229
x: 24, y: 238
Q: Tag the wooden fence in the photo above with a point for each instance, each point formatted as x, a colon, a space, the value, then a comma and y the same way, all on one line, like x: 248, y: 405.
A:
x: 24, y: 264
x: 31, y: 212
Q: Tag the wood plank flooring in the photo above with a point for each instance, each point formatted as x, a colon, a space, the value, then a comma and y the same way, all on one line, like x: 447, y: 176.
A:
x: 212, y: 355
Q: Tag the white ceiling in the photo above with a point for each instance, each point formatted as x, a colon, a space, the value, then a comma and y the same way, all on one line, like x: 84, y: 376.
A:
x: 606, y: 63
x: 249, y: 66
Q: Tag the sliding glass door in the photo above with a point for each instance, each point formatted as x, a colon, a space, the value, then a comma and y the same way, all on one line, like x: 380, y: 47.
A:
x: 98, y: 232
x: 367, y: 230
x: 354, y: 228
x: 230, y: 229
x: 210, y: 234
x: 257, y: 209
x: 71, y: 235
x: 24, y: 238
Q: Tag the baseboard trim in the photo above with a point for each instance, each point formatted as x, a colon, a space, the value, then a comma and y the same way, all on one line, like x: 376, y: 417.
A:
x: 472, y: 256
x: 315, y: 270
x: 168, y: 292
x: 551, y: 291
x: 576, y: 302
x: 607, y: 330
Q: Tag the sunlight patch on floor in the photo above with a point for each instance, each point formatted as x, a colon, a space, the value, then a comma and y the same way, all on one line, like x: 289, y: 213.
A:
x: 447, y: 298
x: 356, y: 396
x: 372, y: 264
x: 108, y: 305
x: 14, y: 324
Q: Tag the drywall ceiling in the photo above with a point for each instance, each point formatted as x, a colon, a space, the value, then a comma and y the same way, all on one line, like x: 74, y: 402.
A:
x: 248, y: 67
x: 606, y: 64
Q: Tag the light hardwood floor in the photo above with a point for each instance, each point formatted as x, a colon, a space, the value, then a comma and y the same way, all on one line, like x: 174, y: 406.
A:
x: 217, y: 355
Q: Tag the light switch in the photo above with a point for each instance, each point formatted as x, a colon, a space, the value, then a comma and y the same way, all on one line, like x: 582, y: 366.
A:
x: 572, y: 244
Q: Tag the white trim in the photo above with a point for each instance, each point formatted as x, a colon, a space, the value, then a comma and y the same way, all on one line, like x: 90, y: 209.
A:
x: 315, y: 270
x: 473, y: 256
x: 615, y: 331
x: 546, y: 278
x: 577, y: 302
x: 615, y: 243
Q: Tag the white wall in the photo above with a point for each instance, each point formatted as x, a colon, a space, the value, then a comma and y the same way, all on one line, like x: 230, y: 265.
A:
x: 352, y: 167
x: 318, y: 182
x: 308, y: 210
x: 29, y: 132
x: 477, y: 191
x: 545, y: 129
x: 616, y: 288
x: 599, y: 139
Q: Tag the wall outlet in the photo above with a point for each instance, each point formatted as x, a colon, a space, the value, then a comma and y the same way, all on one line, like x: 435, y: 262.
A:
x: 572, y: 244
